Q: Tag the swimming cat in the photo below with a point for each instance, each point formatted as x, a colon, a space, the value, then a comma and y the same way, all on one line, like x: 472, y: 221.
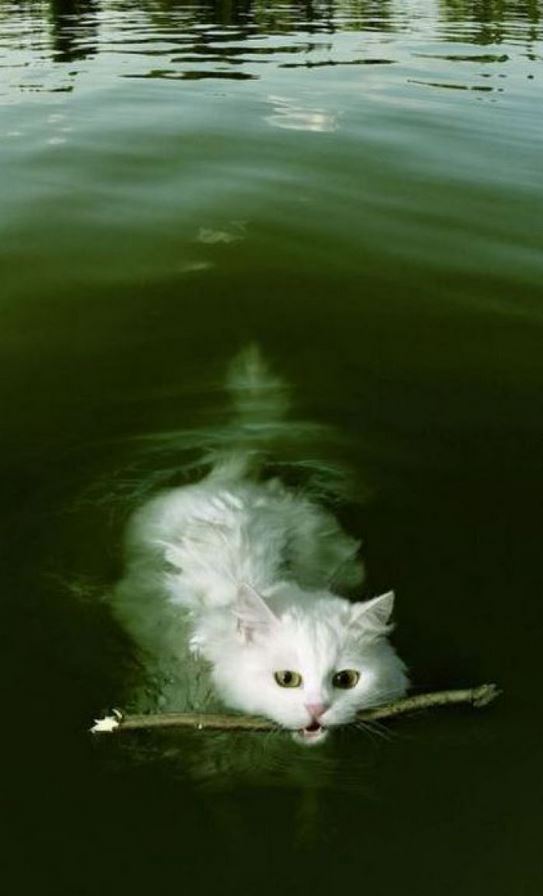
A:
x: 235, y: 581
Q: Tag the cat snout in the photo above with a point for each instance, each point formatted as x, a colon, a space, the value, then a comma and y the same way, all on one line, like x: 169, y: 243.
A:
x: 316, y: 709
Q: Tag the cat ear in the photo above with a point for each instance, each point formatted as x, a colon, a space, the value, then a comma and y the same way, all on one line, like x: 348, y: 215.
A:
x: 373, y: 616
x: 252, y: 612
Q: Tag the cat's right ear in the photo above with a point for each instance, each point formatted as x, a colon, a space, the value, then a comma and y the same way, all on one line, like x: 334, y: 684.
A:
x: 253, y: 614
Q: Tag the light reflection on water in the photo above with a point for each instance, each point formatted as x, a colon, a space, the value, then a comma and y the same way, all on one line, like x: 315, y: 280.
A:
x: 239, y: 40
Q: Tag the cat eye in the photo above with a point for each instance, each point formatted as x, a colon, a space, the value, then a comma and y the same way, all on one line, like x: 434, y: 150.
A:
x: 288, y: 679
x: 347, y: 678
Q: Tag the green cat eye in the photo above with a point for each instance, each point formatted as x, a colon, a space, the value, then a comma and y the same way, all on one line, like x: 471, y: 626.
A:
x: 347, y: 678
x: 288, y: 679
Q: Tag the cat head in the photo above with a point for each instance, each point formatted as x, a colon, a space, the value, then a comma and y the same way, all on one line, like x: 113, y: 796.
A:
x: 309, y: 664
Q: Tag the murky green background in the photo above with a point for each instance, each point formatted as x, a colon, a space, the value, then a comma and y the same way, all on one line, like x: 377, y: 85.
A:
x: 357, y: 186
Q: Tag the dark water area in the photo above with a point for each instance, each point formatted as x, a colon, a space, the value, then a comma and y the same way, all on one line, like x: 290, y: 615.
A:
x: 356, y: 186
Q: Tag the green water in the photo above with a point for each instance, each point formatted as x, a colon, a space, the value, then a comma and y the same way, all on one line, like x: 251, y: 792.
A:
x: 357, y: 186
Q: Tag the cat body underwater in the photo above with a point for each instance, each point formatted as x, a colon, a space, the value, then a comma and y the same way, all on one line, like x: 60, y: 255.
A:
x: 235, y: 581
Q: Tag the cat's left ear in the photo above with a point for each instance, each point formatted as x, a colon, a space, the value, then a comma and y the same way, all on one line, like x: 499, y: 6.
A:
x: 373, y: 616
x: 253, y: 613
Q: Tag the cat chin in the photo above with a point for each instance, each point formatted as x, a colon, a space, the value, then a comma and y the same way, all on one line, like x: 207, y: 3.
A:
x: 308, y: 738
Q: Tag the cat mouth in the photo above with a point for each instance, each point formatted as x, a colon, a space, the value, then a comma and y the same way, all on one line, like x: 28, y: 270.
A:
x: 311, y: 734
x: 314, y: 728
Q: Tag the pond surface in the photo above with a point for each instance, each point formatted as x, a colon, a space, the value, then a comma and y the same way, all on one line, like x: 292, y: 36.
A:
x: 357, y: 187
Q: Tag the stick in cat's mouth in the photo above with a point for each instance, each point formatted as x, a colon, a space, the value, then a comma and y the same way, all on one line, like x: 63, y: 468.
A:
x: 477, y: 697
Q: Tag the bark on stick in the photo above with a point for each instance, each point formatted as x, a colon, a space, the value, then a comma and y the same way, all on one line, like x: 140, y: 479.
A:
x: 117, y: 722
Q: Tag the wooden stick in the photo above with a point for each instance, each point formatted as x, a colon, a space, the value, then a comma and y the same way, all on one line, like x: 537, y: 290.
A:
x: 117, y: 722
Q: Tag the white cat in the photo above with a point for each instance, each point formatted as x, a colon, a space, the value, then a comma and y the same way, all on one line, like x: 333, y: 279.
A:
x: 234, y: 577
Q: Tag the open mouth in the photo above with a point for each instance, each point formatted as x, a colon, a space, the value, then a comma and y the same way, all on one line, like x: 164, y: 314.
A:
x: 313, y: 728
x: 311, y: 734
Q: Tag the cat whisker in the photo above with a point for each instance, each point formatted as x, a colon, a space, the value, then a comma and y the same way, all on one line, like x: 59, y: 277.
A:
x: 375, y: 728
x: 385, y: 732
x: 366, y: 729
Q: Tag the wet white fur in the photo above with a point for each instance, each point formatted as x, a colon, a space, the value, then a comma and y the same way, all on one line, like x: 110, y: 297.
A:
x: 241, y: 573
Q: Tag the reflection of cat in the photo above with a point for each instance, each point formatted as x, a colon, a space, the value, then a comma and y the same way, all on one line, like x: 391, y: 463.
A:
x: 230, y: 582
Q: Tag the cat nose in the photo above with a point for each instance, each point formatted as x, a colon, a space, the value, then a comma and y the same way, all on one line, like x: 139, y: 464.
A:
x: 316, y: 709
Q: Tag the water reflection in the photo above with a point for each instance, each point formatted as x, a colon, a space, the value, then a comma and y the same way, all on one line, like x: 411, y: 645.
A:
x: 491, y: 22
x: 169, y: 74
x: 74, y: 29
x: 229, y: 761
x: 245, y: 40
x: 292, y: 115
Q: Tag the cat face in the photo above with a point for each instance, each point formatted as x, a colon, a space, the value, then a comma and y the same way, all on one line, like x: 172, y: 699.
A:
x: 309, y: 666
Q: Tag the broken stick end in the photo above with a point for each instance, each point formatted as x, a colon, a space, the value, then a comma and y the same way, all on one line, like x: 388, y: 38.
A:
x: 485, y: 694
